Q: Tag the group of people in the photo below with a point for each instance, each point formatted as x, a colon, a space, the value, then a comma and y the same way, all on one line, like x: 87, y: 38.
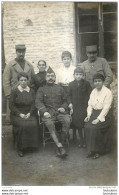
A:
x: 77, y: 97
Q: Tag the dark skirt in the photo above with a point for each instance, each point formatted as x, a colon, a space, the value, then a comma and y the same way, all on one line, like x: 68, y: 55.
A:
x: 25, y: 132
x: 98, y: 136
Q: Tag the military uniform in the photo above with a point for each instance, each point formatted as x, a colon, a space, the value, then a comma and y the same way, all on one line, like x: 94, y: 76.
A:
x: 101, y: 66
x: 48, y: 99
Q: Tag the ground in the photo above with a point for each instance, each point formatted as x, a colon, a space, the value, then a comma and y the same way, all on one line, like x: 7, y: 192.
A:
x: 42, y: 167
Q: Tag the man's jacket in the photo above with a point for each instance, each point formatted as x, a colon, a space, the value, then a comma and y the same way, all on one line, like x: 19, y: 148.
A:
x: 50, y: 98
x: 10, y: 80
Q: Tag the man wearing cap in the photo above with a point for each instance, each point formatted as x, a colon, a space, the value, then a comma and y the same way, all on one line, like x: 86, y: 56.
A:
x: 52, y: 104
x: 95, y: 65
x: 10, y: 81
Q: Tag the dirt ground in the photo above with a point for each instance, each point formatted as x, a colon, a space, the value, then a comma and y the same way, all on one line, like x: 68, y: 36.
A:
x: 42, y: 167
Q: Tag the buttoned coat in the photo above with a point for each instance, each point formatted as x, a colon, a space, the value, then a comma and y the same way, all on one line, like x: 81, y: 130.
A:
x: 100, y: 65
x: 10, y: 80
x: 79, y: 96
x: 50, y: 98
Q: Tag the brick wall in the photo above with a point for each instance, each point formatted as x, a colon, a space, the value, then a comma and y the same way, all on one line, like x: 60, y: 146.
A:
x: 47, y: 29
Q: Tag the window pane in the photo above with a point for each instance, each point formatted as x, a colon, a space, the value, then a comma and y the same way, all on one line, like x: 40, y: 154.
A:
x: 110, y: 7
x: 88, y: 23
x: 110, y: 46
x: 110, y: 21
x: 87, y: 39
x: 88, y: 8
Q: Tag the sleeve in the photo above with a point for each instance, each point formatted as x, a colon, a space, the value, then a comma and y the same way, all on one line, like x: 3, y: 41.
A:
x: 7, y: 80
x: 64, y: 99
x: 32, y: 83
x: 33, y: 104
x: 108, y: 73
x: 69, y: 96
x: 90, y: 107
x: 39, y: 102
x: 31, y: 80
x: 89, y: 89
x: 32, y: 71
x: 12, y: 104
x: 106, y: 106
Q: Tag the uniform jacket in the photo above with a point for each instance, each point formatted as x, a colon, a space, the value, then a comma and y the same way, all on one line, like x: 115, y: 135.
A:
x: 50, y: 98
x: 99, y: 66
x: 10, y: 74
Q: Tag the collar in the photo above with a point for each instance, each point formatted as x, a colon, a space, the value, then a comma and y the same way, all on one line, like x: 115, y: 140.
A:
x: 102, y: 90
x: 21, y: 89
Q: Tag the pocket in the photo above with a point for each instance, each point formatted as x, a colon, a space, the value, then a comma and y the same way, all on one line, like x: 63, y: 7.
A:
x: 46, y: 97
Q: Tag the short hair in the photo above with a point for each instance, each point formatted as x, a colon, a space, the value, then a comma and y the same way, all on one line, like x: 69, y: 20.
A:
x: 66, y: 54
x: 78, y: 70
x: 42, y: 61
x: 98, y: 76
x: 22, y: 74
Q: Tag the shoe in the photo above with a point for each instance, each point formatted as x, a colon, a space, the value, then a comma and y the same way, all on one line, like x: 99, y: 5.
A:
x: 58, y: 154
x: 80, y: 146
x: 90, y: 155
x: 96, y: 156
x: 84, y: 146
x: 62, y: 152
x: 20, y: 153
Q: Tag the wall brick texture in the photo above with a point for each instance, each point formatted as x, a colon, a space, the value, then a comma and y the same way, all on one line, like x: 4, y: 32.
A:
x: 47, y: 29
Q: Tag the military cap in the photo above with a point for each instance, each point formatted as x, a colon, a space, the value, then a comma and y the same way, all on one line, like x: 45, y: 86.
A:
x: 50, y: 70
x: 20, y: 46
x: 91, y: 48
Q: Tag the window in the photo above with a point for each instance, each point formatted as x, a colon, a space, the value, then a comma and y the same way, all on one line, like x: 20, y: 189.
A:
x: 96, y: 23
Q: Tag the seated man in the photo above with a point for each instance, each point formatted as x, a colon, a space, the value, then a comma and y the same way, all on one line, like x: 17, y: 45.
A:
x: 52, y: 105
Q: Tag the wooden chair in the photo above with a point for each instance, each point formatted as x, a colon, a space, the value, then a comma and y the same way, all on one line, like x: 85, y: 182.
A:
x: 47, y: 139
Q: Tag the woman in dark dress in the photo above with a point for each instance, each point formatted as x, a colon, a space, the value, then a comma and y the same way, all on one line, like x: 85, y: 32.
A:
x: 79, y: 92
x: 38, y: 80
x: 23, y: 118
x: 98, y: 120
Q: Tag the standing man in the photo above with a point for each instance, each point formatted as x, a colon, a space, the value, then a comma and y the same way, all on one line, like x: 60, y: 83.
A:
x: 10, y: 80
x: 95, y: 65
x: 52, y: 104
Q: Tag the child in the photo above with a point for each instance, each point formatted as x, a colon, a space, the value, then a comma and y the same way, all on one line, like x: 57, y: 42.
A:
x: 79, y: 92
x: 39, y: 78
x: 65, y: 72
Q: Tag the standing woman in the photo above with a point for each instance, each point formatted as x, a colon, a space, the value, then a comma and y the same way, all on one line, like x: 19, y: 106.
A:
x: 23, y: 118
x: 98, y: 120
x: 38, y: 80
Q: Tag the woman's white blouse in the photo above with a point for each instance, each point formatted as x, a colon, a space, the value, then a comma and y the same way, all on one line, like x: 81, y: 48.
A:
x: 100, y: 100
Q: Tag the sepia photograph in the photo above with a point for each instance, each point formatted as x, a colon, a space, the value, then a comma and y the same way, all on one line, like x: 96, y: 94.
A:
x: 59, y: 93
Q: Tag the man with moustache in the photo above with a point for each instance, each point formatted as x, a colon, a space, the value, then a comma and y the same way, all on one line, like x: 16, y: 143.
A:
x: 52, y: 104
x: 95, y: 65
x: 10, y: 79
